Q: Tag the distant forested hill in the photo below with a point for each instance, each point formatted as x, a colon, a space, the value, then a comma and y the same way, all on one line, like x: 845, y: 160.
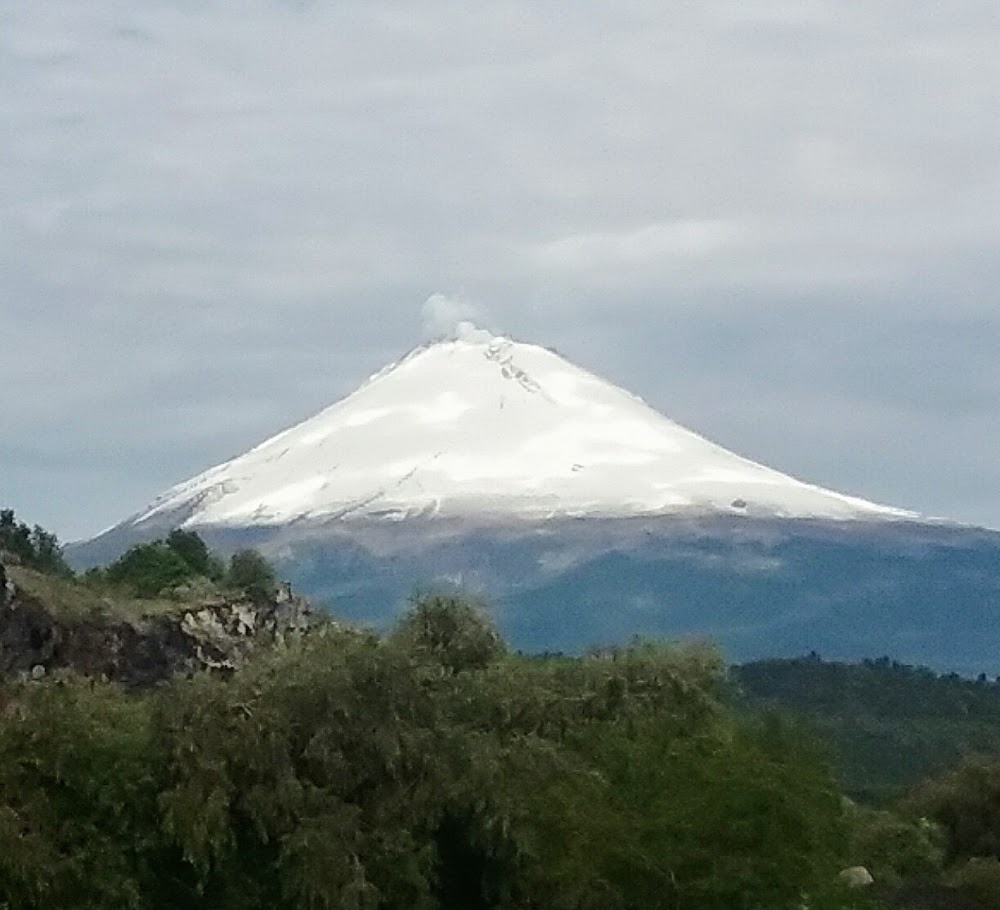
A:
x: 887, y: 724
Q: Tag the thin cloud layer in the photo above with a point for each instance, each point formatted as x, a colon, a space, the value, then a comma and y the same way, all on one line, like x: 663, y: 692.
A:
x: 648, y: 245
x: 213, y: 223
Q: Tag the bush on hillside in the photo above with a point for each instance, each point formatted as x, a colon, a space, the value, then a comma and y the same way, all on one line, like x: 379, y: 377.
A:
x: 978, y: 877
x: 894, y: 848
x: 161, y: 566
x: 251, y: 574
x: 450, y: 629
x: 965, y: 802
x: 189, y: 546
x: 150, y: 569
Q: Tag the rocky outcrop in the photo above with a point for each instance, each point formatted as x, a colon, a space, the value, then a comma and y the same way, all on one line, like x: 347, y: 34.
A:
x: 216, y: 634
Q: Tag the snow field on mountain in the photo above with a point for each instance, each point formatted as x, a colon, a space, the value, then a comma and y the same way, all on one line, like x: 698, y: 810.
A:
x: 486, y: 427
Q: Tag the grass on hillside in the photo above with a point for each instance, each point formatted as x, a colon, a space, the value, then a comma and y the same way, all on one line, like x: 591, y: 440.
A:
x: 73, y: 599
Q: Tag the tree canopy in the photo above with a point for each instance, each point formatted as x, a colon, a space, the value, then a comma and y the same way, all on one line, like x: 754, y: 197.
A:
x: 161, y: 566
x: 33, y: 546
x: 428, y: 769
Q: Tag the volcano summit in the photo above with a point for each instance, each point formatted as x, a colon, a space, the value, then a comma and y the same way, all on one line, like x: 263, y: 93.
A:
x: 482, y: 427
x: 583, y: 517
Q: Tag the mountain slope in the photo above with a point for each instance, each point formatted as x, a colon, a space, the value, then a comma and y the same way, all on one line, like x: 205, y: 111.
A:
x: 922, y: 593
x: 482, y: 427
x: 583, y: 517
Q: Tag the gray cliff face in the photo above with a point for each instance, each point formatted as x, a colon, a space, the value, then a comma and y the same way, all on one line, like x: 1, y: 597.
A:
x: 218, y: 634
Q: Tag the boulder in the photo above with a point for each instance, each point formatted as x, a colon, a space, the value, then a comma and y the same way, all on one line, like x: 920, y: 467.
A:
x: 855, y: 877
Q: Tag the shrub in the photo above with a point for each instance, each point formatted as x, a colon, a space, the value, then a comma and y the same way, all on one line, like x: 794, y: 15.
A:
x: 893, y: 848
x: 251, y: 573
x: 452, y: 630
x: 149, y: 569
x: 965, y: 802
x: 979, y: 877
x: 192, y: 549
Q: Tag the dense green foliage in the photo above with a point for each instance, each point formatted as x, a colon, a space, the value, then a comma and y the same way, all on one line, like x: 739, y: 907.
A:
x: 428, y: 770
x: 888, y: 725
x: 182, y: 558
x: 250, y: 573
x: 150, y: 568
x: 895, y: 848
x: 893, y: 728
x: 457, y: 634
x: 33, y: 546
x: 941, y: 843
x: 78, y: 785
x: 189, y: 546
x: 965, y: 802
x: 432, y: 769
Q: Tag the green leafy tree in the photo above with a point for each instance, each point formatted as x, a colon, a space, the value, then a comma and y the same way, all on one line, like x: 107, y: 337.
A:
x: 252, y: 574
x: 150, y: 569
x: 15, y: 537
x: 425, y: 771
x: 715, y: 814
x: 189, y: 546
x: 35, y: 547
x: 309, y: 780
x: 451, y: 630
x: 619, y: 781
x: 48, y: 556
x: 78, y: 784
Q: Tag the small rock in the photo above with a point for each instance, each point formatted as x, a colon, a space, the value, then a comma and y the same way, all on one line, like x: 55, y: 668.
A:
x: 856, y: 877
x: 7, y: 590
x: 37, y: 671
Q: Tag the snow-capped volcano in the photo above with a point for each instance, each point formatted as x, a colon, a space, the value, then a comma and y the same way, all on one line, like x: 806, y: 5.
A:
x: 583, y: 517
x: 483, y: 426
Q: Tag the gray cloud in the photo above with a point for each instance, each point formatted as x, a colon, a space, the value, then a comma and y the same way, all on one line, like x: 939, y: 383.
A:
x: 777, y: 221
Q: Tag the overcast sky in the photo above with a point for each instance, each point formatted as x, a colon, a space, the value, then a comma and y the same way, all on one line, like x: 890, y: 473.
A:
x: 778, y: 222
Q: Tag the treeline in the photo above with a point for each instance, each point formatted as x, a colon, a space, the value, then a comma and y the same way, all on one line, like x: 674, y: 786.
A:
x: 426, y: 769
x: 881, y: 686
x: 151, y: 569
x: 888, y: 725
x: 178, y: 560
